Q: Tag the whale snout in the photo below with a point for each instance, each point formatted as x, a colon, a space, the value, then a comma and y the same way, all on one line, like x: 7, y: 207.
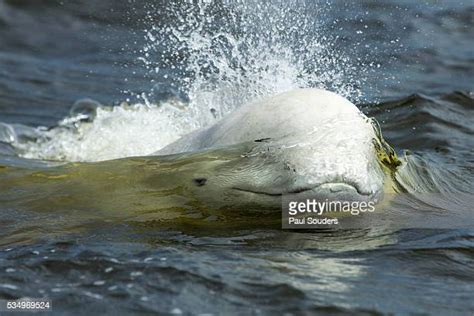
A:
x: 336, y: 176
x: 339, y: 191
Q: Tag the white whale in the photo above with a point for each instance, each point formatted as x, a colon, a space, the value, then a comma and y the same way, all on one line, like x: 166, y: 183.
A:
x: 306, y: 141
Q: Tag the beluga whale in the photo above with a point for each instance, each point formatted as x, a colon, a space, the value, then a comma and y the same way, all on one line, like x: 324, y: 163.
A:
x: 304, y: 142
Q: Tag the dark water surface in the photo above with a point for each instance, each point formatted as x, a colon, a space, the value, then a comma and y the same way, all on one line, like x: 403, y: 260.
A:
x: 113, y: 237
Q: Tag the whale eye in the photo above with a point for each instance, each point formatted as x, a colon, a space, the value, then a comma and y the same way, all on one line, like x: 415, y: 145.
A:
x: 200, y: 181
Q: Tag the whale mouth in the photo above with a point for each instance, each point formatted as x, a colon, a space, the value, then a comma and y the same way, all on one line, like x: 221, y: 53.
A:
x: 331, y: 188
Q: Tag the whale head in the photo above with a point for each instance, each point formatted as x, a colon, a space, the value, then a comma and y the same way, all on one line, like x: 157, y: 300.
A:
x: 325, y: 166
x: 319, y: 146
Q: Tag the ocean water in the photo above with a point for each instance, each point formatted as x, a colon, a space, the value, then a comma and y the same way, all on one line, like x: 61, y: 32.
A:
x: 88, y: 89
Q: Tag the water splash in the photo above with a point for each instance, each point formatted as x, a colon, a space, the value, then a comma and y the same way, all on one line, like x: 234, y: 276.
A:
x: 112, y: 132
x: 206, y: 59
x: 223, y: 54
